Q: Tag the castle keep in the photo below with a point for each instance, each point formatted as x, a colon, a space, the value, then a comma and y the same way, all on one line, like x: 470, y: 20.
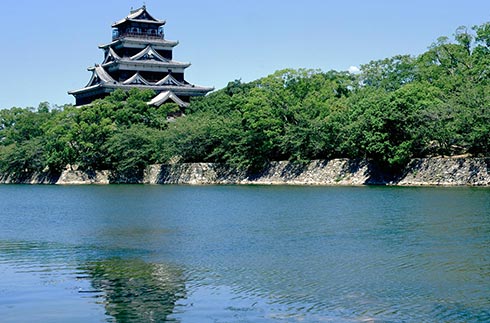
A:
x: 139, y: 56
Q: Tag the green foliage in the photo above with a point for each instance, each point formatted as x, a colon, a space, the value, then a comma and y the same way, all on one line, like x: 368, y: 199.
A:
x: 20, y: 160
x: 130, y: 151
x: 200, y: 137
x: 390, y: 73
x: 22, y: 124
x: 396, y: 109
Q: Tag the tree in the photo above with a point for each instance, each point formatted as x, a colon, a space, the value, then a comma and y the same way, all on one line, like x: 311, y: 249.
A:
x: 130, y: 151
x: 21, y: 160
x: 390, y: 73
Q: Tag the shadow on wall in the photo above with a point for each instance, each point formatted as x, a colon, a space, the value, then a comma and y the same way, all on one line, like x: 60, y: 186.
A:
x: 419, y: 172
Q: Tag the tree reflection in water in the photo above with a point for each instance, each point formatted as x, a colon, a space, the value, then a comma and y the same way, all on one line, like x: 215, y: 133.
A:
x: 136, y: 291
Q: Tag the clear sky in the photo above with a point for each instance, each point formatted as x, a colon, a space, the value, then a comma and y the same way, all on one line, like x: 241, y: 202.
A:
x: 47, y: 45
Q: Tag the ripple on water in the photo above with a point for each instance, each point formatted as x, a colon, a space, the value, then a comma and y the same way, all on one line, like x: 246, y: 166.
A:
x: 266, y: 254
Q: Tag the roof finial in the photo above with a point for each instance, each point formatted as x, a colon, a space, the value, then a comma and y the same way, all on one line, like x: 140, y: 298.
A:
x: 144, y: 5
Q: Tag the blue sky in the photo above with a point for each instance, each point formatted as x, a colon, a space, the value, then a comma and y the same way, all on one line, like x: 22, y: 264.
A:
x: 47, y: 45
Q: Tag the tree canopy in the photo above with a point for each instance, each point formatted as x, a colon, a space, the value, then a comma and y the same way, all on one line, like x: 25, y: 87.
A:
x: 395, y: 109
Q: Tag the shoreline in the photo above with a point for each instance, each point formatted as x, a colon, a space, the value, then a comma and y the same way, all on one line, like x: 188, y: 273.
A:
x: 436, y: 171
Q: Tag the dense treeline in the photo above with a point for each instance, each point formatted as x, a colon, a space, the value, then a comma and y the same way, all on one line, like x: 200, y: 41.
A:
x: 393, y: 110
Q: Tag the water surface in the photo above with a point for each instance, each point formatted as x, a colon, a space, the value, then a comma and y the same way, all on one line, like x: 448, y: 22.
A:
x: 244, y: 254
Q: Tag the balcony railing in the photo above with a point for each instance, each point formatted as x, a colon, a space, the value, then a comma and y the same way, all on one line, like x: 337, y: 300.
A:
x: 116, y: 36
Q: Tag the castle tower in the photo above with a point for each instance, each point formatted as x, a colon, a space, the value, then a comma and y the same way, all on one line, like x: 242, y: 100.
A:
x: 139, y: 56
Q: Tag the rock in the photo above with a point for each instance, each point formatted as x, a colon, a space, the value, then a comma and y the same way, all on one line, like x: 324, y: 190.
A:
x: 461, y: 171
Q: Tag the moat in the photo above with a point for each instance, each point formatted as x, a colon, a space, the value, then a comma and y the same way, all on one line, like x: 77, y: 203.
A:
x: 137, y: 253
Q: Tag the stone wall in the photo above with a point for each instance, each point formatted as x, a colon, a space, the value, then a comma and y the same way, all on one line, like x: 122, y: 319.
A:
x: 419, y: 172
x: 447, y: 172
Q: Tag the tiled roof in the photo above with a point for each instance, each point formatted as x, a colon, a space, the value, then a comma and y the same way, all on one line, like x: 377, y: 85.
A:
x: 140, y: 15
x: 163, y: 97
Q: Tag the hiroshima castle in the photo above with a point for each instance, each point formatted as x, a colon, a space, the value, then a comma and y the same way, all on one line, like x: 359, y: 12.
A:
x: 140, y: 56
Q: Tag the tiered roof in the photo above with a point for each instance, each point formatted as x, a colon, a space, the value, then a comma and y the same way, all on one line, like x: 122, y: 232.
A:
x: 101, y: 79
x: 134, y: 42
x: 140, y: 15
x: 165, y: 97
x: 148, y: 58
x: 139, y: 49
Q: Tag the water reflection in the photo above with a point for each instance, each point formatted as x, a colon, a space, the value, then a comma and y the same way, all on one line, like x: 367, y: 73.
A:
x: 244, y: 254
x: 130, y: 290
x: 136, y: 291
